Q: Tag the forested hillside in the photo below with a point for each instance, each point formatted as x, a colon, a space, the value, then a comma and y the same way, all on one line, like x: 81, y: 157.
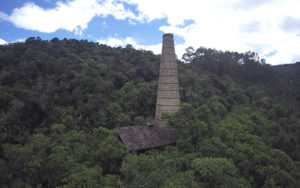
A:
x: 60, y: 100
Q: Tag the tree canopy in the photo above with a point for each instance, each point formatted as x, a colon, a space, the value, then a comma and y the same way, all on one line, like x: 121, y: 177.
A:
x: 61, y: 100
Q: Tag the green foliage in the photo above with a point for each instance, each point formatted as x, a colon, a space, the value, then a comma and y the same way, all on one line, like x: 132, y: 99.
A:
x: 60, y: 101
x: 142, y: 170
x: 237, y: 95
x: 190, y: 129
x: 84, y: 177
x: 217, y: 172
x: 240, y: 66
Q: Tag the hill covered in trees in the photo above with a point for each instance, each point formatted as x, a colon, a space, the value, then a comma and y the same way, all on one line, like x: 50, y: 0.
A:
x: 238, y: 125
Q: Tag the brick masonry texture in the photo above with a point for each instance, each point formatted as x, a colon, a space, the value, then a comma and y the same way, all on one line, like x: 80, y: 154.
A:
x: 168, y: 98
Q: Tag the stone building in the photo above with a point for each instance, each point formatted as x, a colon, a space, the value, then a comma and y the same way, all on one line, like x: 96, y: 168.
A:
x: 168, y: 101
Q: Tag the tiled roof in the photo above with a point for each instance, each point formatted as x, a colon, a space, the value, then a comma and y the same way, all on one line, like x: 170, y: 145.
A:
x: 143, y: 137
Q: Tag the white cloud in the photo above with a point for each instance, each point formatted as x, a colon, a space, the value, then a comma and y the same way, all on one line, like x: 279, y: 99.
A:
x: 291, y: 24
x: 3, y: 17
x: 18, y: 40
x: 2, y: 42
x: 236, y: 25
x: 262, y: 26
x: 115, y: 42
x: 71, y: 16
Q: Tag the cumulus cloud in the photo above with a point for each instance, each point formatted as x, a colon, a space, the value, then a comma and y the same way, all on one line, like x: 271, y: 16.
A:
x: 2, y: 42
x: 251, y: 27
x: 3, y: 17
x: 235, y: 25
x: 71, y: 15
x: 296, y: 58
x: 19, y: 40
x: 246, y: 5
x: 291, y: 24
x: 116, y: 42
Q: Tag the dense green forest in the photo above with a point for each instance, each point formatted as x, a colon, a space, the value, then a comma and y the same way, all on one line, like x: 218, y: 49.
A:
x: 60, y: 100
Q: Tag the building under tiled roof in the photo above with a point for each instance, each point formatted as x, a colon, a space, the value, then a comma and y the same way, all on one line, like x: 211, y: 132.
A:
x: 144, y: 137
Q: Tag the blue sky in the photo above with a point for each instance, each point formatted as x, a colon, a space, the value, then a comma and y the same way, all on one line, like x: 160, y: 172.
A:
x: 269, y: 27
x: 98, y: 28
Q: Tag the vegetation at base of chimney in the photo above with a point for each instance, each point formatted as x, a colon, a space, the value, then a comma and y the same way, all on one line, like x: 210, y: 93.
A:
x: 238, y: 125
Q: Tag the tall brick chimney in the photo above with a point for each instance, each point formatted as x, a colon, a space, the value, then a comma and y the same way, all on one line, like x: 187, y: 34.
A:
x: 168, y: 99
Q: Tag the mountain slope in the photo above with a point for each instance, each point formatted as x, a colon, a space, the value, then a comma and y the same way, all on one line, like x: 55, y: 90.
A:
x: 60, y: 100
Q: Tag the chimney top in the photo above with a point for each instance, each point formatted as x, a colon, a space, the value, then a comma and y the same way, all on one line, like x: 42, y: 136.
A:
x: 168, y: 35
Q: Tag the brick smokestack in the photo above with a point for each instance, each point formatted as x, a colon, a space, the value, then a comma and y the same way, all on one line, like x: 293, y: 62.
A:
x: 168, y: 99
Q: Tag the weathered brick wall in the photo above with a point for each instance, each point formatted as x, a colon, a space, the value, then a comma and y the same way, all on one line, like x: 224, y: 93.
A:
x: 168, y: 99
